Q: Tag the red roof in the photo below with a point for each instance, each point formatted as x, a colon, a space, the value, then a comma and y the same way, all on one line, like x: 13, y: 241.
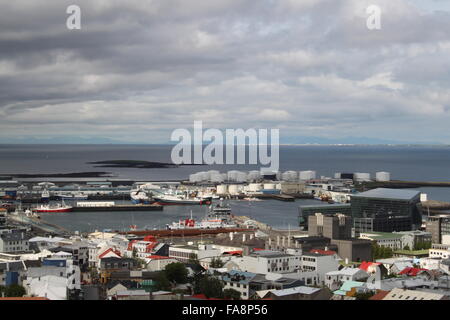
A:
x: 366, y: 264
x: 117, y: 252
x: 130, y: 244
x: 411, y: 271
x: 150, y: 246
x: 150, y: 239
x: 327, y: 252
x: 234, y: 253
x: 158, y: 257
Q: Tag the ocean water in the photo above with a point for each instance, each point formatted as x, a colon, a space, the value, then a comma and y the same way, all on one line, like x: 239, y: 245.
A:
x: 415, y: 163
x: 278, y: 214
x: 431, y: 163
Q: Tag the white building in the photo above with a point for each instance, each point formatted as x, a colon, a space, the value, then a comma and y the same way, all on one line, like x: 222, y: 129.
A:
x: 334, y: 279
x: 307, y: 175
x: 402, y: 294
x: 54, y: 280
x: 266, y: 261
x: 184, y: 253
x: 158, y: 263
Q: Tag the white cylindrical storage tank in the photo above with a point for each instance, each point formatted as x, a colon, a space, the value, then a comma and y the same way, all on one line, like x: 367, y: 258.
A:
x: 204, y: 176
x: 216, y: 177
x: 362, y: 176
x: 196, y: 177
x: 222, y: 189
x: 241, y: 177
x: 269, y: 186
x: 383, y: 176
x: 233, y: 189
x: 289, y: 176
x: 307, y: 175
x: 212, y: 173
x: 254, y: 175
x: 231, y: 175
x: 253, y: 187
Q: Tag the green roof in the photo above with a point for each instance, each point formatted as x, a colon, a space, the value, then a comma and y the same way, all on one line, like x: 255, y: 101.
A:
x: 347, y: 286
x: 412, y: 252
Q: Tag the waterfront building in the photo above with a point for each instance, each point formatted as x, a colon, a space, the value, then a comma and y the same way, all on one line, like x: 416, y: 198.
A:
x: 310, y: 210
x: 386, y: 210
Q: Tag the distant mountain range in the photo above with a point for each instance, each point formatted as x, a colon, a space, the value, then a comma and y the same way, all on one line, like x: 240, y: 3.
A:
x: 283, y: 141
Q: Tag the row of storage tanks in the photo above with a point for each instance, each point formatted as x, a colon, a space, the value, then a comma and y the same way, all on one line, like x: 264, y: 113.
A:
x: 364, y: 176
x: 239, y: 176
x: 236, y: 189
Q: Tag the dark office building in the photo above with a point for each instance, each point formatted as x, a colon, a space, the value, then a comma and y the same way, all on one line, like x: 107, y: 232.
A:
x: 337, y: 226
x: 386, y: 210
x: 438, y: 226
x: 310, y: 210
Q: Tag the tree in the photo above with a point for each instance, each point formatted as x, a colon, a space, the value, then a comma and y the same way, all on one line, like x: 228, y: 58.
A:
x: 216, y: 263
x: 162, y: 283
x: 231, y: 294
x: 176, y: 272
x: 15, y: 290
x: 211, y: 287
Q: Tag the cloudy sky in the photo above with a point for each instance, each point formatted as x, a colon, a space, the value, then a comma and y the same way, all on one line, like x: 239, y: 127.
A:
x: 139, y: 69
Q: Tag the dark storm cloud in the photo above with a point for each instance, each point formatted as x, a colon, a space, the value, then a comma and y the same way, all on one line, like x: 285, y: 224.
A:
x: 139, y: 69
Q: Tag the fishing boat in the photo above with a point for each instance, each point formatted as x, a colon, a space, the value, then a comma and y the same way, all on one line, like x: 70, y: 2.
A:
x: 73, y: 196
x: 219, y: 216
x: 45, y: 196
x: 47, y: 208
x: 171, y: 197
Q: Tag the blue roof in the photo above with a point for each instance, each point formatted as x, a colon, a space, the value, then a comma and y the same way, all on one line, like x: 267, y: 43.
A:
x: 385, y: 193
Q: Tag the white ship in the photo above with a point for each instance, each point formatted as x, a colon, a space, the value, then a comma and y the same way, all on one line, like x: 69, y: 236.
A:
x: 219, y: 216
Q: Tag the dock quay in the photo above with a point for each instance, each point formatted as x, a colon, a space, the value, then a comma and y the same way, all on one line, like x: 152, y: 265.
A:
x: 38, y: 224
x: 280, y: 197
x: 399, y: 184
x: 118, y: 207
x: 185, y: 232
x: 241, y: 220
